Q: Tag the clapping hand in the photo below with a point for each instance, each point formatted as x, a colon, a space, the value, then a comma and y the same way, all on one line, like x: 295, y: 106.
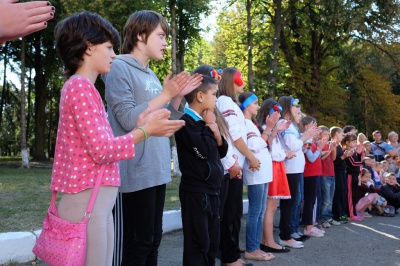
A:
x: 157, y: 123
x: 174, y: 86
x: 194, y: 82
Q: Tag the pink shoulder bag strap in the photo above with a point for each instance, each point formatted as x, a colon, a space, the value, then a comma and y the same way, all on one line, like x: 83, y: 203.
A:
x: 92, y: 199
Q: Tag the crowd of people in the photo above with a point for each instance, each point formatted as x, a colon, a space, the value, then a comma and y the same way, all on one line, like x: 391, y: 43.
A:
x: 318, y: 176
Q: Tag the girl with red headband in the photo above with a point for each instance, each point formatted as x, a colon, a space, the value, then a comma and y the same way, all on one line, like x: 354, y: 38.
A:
x: 230, y: 86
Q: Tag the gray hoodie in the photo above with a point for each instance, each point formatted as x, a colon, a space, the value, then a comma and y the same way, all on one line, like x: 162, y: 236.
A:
x: 129, y: 88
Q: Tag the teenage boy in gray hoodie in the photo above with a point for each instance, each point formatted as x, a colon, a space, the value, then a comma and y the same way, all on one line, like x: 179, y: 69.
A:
x: 132, y: 87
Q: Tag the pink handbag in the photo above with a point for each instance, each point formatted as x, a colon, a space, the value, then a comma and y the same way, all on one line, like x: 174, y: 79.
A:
x: 62, y: 242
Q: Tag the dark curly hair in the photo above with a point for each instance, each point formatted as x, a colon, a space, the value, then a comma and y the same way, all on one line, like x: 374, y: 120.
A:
x: 74, y: 33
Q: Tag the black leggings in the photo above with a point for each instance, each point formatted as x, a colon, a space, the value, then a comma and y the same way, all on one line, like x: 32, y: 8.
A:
x: 142, y: 214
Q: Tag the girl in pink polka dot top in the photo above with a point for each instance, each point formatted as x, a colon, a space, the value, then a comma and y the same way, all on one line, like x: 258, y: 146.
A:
x: 85, y: 141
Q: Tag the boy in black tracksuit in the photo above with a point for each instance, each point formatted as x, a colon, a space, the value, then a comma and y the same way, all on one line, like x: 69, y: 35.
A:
x: 200, y: 147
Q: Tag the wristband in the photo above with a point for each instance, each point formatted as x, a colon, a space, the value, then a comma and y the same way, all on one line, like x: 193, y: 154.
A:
x: 267, y: 134
x: 144, y: 132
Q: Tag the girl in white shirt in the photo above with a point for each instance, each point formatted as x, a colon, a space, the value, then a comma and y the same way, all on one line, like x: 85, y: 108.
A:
x: 230, y: 86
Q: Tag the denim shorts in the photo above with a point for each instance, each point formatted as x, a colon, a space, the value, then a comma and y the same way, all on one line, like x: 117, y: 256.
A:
x: 379, y: 201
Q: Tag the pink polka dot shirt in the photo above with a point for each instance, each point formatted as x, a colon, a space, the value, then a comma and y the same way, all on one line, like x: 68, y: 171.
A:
x: 85, y: 140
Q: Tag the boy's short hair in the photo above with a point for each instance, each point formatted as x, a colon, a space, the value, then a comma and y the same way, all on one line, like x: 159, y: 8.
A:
x: 335, y: 130
x: 387, y: 156
x: 376, y: 132
x: 324, y: 128
x: 368, y: 157
x: 73, y: 34
x: 384, y: 162
x: 367, y: 142
x: 348, y: 128
x: 142, y: 22
x: 206, y: 84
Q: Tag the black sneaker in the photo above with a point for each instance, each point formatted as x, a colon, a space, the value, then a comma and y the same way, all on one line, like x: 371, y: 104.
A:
x: 343, y: 220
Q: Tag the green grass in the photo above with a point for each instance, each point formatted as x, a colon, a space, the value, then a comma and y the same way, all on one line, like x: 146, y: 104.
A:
x: 25, y: 195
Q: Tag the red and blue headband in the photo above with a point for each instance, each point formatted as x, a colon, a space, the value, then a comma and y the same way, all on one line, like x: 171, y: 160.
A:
x: 275, y: 108
x: 237, y: 78
x: 216, y: 74
x: 248, y: 101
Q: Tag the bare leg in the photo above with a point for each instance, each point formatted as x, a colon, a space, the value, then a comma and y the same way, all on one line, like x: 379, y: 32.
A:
x: 267, y: 237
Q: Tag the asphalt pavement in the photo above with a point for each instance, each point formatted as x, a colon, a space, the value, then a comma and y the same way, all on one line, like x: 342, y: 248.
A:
x: 374, y: 241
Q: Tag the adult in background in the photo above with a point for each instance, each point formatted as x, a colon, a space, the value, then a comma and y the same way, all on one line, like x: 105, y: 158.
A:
x: 378, y: 147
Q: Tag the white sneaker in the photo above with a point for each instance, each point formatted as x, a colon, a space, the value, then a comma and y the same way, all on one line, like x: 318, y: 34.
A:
x: 314, y: 232
x: 299, y: 233
x: 295, y: 236
x: 334, y: 222
x: 326, y: 224
x: 296, y: 244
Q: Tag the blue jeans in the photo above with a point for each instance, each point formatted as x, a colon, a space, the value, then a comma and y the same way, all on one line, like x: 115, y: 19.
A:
x: 327, y: 191
x: 296, y: 209
x: 257, y: 195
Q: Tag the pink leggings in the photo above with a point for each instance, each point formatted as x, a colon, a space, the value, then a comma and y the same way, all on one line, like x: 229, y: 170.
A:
x: 100, y: 229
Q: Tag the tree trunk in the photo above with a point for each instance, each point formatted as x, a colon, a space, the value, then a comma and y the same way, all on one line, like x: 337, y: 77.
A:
x: 249, y: 47
x: 24, y: 152
x: 40, y: 104
x: 273, y: 67
x: 173, y: 33
x: 3, y: 92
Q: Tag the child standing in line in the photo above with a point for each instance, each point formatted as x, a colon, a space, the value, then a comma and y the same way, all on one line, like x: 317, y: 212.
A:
x: 278, y: 188
x: 200, y: 149
x: 257, y: 181
x: 131, y: 87
x: 85, y: 141
x: 293, y: 140
x: 312, y: 170
x: 339, y: 202
x: 230, y: 86
x: 353, y: 167
x: 230, y: 164
x: 327, y: 178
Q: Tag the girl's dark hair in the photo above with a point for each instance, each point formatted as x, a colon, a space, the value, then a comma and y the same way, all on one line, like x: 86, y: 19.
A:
x: 223, y: 126
x: 204, y: 69
x: 348, y: 137
x: 226, y: 85
x: 142, y: 22
x: 348, y: 128
x: 265, y: 108
x: 74, y: 34
x: 285, y: 103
